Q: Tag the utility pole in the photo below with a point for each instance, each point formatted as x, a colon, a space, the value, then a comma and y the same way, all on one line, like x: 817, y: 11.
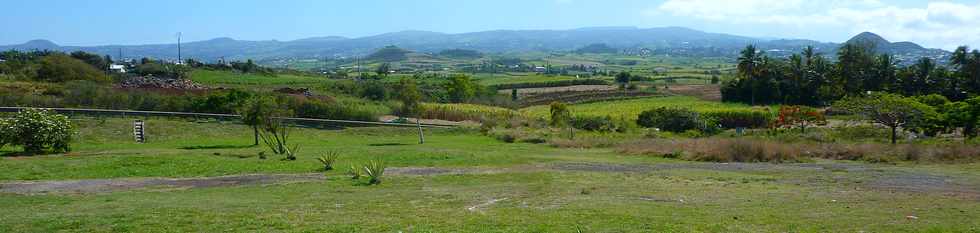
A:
x: 178, y: 48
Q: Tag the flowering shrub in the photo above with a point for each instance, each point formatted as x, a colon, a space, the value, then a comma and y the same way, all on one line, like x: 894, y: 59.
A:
x: 37, y: 130
x: 800, y: 117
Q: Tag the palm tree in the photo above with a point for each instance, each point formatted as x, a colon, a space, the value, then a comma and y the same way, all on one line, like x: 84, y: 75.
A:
x: 968, y: 65
x: 748, y: 63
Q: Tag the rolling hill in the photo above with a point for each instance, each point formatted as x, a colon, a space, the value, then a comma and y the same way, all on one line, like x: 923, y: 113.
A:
x: 667, y: 40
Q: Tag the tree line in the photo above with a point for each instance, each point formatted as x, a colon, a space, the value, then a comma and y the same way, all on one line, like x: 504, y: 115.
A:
x: 808, y: 78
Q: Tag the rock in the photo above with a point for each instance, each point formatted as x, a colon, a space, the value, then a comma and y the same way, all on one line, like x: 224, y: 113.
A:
x: 160, y: 83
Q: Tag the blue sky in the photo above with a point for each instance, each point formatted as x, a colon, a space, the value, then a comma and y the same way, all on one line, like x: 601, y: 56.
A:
x: 942, y: 24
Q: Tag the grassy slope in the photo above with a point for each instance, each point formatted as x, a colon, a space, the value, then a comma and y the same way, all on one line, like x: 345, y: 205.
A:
x: 633, y: 107
x: 530, y: 200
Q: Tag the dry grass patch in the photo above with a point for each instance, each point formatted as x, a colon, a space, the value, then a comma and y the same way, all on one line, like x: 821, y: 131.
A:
x: 752, y: 150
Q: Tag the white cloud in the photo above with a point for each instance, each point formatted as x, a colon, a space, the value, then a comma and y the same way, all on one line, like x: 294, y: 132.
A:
x: 936, y: 24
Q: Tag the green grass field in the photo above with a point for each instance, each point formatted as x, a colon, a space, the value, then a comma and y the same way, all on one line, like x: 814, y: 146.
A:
x: 632, y: 108
x: 509, y: 188
x: 239, y: 80
x: 497, y: 79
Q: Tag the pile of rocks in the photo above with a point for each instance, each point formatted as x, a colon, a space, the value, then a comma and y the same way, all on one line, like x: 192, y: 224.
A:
x: 162, y: 83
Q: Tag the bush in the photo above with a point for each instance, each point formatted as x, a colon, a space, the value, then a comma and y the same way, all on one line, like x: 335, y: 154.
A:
x: 740, y: 118
x: 669, y: 119
x: 328, y: 160
x: 599, y: 124
x: 374, y: 170
x: 37, y: 130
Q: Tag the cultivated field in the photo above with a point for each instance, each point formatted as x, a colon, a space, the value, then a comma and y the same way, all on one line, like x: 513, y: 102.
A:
x: 631, y: 108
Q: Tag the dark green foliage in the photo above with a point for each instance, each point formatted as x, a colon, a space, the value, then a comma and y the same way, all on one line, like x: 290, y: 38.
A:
x: 95, y: 60
x: 669, y: 119
x: 374, y: 90
x: 461, y: 54
x: 162, y: 70
x: 599, y: 124
x: 623, y: 79
x: 809, y: 79
x: 249, y: 66
x: 740, y: 118
x: 461, y: 88
x: 389, y: 53
x: 597, y: 48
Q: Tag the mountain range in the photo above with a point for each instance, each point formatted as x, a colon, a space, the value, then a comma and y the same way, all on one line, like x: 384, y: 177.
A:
x: 667, y: 40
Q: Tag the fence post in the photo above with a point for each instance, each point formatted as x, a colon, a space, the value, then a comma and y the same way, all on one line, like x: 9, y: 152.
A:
x: 421, y: 137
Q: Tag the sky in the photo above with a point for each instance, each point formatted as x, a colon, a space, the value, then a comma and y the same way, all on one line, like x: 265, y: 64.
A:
x: 935, y: 24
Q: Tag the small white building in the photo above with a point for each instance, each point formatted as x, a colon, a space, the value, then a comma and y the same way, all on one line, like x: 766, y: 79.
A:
x: 117, y: 68
x: 540, y: 69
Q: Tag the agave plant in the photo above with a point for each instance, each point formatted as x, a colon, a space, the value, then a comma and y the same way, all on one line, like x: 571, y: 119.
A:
x: 354, y: 172
x: 328, y: 159
x: 374, y: 170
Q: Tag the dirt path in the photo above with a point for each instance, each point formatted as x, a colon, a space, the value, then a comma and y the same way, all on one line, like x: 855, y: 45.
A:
x: 870, y: 176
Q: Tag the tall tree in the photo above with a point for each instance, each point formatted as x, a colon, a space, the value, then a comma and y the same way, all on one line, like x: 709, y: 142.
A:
x: 890, y: 110
x: 748, y: 63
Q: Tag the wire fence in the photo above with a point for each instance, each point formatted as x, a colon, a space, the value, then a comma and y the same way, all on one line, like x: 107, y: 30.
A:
x: 225, y: 117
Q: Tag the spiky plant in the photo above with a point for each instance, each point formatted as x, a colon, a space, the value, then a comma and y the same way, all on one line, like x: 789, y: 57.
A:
x: 374, y: 170
x: 354, y: 173
x: 328, y: 159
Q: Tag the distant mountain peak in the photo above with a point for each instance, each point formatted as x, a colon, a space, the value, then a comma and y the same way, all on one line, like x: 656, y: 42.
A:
x: 868, y: 38
x: 611, y: 28
x: 222, y: 39
x: 39, y: 43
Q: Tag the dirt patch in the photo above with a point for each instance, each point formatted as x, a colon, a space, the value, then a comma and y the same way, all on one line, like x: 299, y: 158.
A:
x: 110, y: 185
x: 924, y: 183
x: 121, y: 184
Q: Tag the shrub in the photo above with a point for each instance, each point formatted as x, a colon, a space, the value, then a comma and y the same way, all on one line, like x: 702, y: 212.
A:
x: 37, y: 130
x: 730, y: 119
x: 328, y: 160
x: 800, y: 117
x: 353, y: 172
x: 669, y: 119
x: 599, y: 124
x: 374, y: 170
